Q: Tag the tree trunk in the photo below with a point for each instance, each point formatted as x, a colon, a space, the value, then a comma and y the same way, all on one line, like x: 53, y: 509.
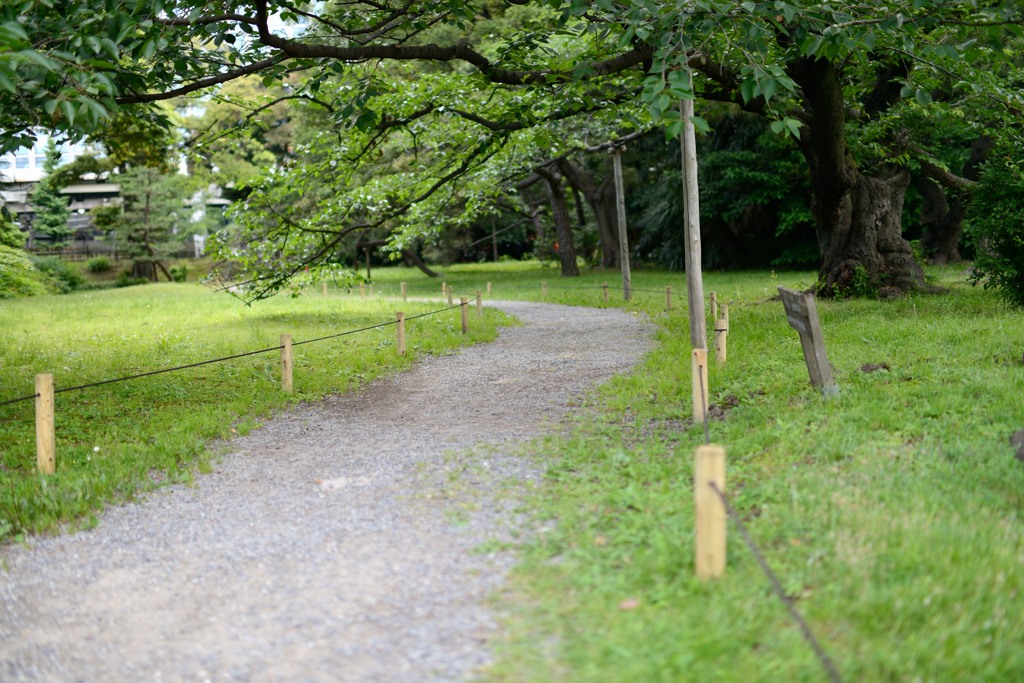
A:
x: 860, y: 239
x: 602, y: 201
x: 408, y: 255
x: 563, y: 226
x: 857, y: 217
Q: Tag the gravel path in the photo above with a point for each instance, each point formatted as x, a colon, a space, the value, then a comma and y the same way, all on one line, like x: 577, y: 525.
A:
x: 342, y: 541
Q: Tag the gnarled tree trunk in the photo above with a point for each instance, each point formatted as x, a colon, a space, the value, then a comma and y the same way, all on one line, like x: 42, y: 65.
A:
x: 857, y: 217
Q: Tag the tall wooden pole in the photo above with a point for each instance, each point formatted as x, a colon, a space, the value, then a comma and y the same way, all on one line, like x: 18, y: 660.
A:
x: 694, y: 278
x: 620, y: 207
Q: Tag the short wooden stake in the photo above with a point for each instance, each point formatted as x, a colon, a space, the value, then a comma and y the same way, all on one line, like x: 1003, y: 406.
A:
x: 323, y: 287
x: 449, y: 295
x: 362, y: 290
x: 371, y: 290
x: 46, y: 436
x: 286, y: 363
x: 488, y: 290
x: 405, y: 291
x: 710, y: 536
x: 464, y: 302
x: 479, y: 304
x: 543, y: 291
x: 444, y: 290
x: 722, y: 335
x: 668, y: 299
x: 714, y: 306
x: 604, y: 287
x: 401, y: 333
x: 700, y: 385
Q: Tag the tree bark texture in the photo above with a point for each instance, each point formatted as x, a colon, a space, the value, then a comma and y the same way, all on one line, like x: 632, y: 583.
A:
x: 563, y: 224
x: 857, y: 217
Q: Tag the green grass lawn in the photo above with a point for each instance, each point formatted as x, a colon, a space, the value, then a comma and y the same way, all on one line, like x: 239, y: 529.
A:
x: 892, y: 514
x: 116, y: 440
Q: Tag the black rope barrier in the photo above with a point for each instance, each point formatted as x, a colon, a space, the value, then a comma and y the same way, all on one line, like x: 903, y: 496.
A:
x: 160, y: 372
x: 808, y: 635
x: 342, y: 334
x: 151, y: 373
x: 19, y: 400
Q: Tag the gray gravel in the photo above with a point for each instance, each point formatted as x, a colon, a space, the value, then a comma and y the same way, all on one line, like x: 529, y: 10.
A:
x: 345, y: 540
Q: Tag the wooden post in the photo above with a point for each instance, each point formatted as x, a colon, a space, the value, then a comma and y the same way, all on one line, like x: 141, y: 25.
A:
x: 479, y: 304
x: 543, y: 291
x: 46, y: 433
x: 714, y: 306
x: 620, y: 206
x: 604, y: 287
x: 668, y: 299
x: 405, y: 291
x: 286, y: 363
x: 371, y: 290
x: 691, y: 203
x: 323, y: 287
x: 449, y: 295
x: 700, y: 385
x: 722, y: 335
x: 401, y: 333
x: 488, y: 290
x: 362, y: 291
x: 444, y: 290
x: 465, y: 314
x: 709, y: 539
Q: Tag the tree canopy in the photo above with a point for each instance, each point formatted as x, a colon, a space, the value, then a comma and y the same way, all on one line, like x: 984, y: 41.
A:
x: 416, y: 98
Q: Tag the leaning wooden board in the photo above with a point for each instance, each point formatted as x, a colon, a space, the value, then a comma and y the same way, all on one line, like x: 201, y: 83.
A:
x: 802, y: 314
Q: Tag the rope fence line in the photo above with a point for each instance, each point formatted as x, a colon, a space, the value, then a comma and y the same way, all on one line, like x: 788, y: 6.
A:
x: 45, y: 414
x: 19, y: 399
x: 805, y: 630
x: 716, y: 484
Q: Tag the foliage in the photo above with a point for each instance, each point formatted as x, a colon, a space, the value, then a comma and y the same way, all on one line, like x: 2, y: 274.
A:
x: 62, y: 278
x: 179, y: 273
x: 120, y: 439
x: 51, y: 207
x: 11, y: 234
x: 753, y: 197
x: 995, y: 224
x: 18, y: 276
x: 98, y: 264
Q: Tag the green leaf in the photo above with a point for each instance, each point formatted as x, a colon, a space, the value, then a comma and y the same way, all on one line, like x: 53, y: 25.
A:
x: 700, y: 125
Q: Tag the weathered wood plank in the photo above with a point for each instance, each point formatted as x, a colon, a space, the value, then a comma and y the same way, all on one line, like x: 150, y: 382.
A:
x: 802, y: 316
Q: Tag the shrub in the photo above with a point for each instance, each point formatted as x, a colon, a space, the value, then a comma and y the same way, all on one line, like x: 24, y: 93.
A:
x: 98, y: 264
x: 126, y: 279
x: 18, y: 277
x: 995, y: 226
x: 62, y: 278
x: 179, y: 273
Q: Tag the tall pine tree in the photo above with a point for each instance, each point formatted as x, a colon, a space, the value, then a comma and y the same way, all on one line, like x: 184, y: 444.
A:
x: 51, y: 206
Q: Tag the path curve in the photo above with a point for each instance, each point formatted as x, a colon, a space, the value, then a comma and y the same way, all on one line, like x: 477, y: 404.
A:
x: 335, y: 543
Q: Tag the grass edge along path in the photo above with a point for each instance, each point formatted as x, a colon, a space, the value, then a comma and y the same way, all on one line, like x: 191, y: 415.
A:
x: 894, y: 515
x: 117, y: 440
